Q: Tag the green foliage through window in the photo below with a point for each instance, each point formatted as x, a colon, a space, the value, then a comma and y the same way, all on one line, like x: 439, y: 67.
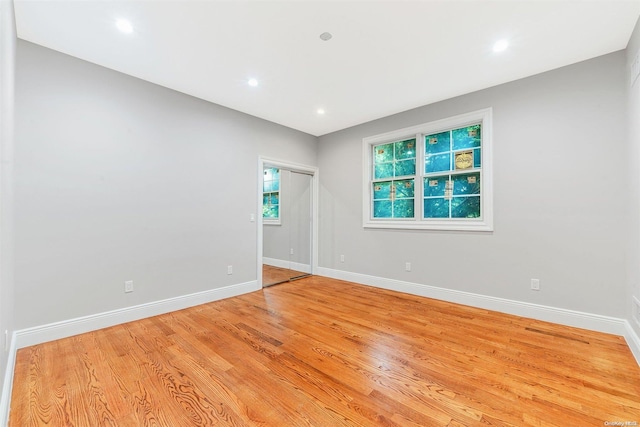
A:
x: 394, y: 198
x: 451, y: 175
x: 452, y: 166
x: 395, y: 159
x: 431, y: 176
x: 271, y: 194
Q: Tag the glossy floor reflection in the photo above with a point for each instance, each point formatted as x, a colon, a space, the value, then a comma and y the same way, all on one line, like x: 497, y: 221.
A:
x: 275, y: 275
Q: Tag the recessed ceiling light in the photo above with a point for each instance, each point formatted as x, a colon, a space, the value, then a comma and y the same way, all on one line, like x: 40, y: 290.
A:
x: 320, y: 111
x: 501, y: 45
x: 252, y: 82
x: 124, y: 26
x: 325, y: 36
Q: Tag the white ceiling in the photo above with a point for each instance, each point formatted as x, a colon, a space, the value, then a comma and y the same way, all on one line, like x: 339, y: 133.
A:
x: 385, y: 56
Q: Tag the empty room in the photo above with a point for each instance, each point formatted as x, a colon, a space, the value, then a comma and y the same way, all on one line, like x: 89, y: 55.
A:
x: 319, y: 213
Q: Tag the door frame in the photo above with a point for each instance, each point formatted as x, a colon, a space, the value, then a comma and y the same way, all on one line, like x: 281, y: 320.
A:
x: 315, y: 178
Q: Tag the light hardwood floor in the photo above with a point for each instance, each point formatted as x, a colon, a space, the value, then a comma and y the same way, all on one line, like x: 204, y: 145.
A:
x: 275, y: 275
x: 322, y: 352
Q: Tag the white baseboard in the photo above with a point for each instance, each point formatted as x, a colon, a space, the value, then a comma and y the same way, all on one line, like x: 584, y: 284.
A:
x: 7, y: 385
x: 80, y: 325
x: 633, y: 341
x: 578, y: 319
x: 281, y: 263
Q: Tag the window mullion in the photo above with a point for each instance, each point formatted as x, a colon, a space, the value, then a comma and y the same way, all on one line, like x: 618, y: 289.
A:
x: 451, y: 168
x: 419, y: 180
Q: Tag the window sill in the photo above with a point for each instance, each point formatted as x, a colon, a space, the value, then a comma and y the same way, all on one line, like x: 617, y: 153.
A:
x: 449, y: 225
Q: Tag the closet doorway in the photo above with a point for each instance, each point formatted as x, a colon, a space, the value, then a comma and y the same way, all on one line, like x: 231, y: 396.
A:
x: 286, y: 235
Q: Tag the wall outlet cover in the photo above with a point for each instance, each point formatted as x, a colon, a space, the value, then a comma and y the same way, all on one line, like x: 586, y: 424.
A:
x: 535, y: 284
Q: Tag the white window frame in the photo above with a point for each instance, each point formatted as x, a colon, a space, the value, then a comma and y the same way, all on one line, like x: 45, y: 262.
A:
x: 484, y: 223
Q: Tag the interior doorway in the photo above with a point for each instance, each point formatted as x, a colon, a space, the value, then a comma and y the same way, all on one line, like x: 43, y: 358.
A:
x: 287, y: 229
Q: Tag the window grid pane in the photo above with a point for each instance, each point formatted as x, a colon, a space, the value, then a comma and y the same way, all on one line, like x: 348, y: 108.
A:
x: 271, y: 194
x: 394, y: 198
x: 394, y: 159
x: 455, y: 194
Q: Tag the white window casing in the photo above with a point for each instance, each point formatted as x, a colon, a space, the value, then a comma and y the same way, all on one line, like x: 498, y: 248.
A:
x: 483, y: 223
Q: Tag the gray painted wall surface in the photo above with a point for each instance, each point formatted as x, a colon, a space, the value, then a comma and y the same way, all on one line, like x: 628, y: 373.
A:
x: 295, y: 229
x: 118, y: 179
x: 7, y: 64
x: 559, y: 196
x: 633, y: 257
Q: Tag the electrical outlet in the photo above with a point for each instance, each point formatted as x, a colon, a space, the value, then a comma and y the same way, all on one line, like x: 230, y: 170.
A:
x: 407, y: 266
x: 341, y: 258
x: 128, y: 286
x: 291, y: 251
x: 229, y: 269
x: 6, y: 340
x: 535, y: 284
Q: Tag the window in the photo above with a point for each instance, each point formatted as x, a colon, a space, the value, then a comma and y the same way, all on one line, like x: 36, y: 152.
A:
x: 394, y: 169
x: 431, y: 176
x: 271, y: 196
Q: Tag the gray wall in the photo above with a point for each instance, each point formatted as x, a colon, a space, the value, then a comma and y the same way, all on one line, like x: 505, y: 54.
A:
x: 294, y: 232
x: 633, y: 48
x: 559, y: 196
x: 118, y: 179
x: 7, y: 63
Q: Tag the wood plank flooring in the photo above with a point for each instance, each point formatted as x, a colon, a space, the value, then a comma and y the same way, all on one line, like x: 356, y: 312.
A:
x: 275, y: 275
x: 323, y: 352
